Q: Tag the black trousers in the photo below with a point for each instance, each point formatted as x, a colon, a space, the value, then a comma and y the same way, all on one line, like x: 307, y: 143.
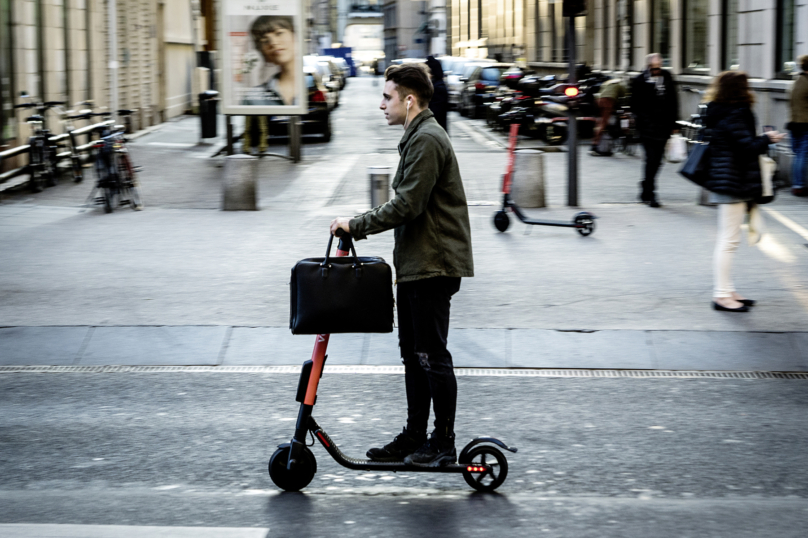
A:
x: 654, y: 151
x: 423, y: 327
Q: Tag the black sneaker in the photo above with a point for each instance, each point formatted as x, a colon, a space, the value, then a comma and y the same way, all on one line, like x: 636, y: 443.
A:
x: 402, y: 446
x: 436, y: 452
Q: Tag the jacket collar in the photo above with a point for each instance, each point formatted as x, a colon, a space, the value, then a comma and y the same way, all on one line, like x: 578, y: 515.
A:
x: 413, y: 126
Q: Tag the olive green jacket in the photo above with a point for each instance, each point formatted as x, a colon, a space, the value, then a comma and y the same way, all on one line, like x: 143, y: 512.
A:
x: 799, y: 99
x: 429, y: 211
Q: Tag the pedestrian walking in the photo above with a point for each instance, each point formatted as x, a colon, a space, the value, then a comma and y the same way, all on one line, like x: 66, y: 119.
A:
x: 610, y: 93
x: 655, y: 106
x: 799, y: 130
x: 432, y: 252
x: 439, y: 104
x: 734, y: 181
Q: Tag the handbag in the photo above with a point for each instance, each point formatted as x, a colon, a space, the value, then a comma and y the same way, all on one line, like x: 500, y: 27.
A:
x: 347, y: 294
x: 676, y: 149
x: 767, y: 169
x: 697, y: 166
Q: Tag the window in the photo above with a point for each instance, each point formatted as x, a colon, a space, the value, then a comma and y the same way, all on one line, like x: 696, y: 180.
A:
x: 661, y: 30
x: 729, y: 51
x: 786, y: 24
x: 7, y: 120
x: 696, y: 35
x: 390, y: 16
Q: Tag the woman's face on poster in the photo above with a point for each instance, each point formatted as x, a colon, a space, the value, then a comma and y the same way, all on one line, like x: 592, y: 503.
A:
x: 278, y: 46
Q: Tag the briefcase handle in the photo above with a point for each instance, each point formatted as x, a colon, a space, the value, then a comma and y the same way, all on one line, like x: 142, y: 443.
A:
x: 325, y: 265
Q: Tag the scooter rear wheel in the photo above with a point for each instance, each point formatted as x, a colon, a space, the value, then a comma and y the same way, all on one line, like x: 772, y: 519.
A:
x: 491, y: 479
x: 501, y: 220
x: 299, y: 476
x: 584, y: 223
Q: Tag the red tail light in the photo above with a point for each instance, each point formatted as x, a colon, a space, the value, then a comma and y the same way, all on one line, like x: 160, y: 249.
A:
x: 318, y: 97
x: 480, y: 87
x: 571, y: 91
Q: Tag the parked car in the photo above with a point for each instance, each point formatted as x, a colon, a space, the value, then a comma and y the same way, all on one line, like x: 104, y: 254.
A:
x: 460, y: 67
x: 337, y: 72
x: 318, y: 119
x: 332, y: 83
x: 479, y: 88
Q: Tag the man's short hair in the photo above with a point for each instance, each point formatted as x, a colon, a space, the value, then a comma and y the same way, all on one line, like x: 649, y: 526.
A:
x: 651, y: 57
x: 802, y: 61
x: 411, y: 79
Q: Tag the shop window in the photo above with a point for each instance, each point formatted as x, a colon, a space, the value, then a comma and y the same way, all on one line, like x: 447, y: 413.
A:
x: 785, y: 61
x: 8, y: 126
x: 729, y: 52
x: 661, y: 30
x: 696, y: 35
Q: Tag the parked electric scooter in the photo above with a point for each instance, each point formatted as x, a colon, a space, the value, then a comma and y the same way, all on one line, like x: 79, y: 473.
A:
x: 293, y: 466
x: 583, y: 222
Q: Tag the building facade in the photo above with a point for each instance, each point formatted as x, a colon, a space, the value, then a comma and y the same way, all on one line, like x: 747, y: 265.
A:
x: 697, y: 39
x: 59, y: 50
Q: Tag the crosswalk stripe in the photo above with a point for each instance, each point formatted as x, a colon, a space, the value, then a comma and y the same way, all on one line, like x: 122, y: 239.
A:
x: 27, y: 530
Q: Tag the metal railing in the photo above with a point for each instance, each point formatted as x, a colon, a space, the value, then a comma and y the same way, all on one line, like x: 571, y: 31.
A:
x: 79, y: 149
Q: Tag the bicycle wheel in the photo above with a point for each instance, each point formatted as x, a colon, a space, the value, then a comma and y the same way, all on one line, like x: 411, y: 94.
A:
x: 36, y: 163
x: 129, y: 186
x: 51, y: 170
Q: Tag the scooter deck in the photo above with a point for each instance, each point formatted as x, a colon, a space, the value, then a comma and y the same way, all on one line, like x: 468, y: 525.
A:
x: 372, y: 465
x: 527, y: 220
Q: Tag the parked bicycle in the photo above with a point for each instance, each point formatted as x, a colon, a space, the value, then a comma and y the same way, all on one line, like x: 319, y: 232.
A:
x: 42, y: 157
x: 68, y: 118
x: 116, y: 176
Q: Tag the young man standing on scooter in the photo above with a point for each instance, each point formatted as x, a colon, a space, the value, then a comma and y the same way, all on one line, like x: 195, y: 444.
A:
x: 432, y: 252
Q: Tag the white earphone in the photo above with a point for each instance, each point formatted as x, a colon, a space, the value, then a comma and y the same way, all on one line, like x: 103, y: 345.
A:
x: 409, y: 102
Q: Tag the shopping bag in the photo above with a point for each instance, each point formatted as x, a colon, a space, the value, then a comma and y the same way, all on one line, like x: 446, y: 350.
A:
x: 676, y: 149
x: 347, y: 294
x: 767, y: 169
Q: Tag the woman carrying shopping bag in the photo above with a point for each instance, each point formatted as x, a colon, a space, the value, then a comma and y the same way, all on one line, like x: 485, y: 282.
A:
x: 734, y: 180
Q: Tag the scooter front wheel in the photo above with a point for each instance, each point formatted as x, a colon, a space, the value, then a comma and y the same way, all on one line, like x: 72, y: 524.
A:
x: 296, y: 478
x: 501, y: 220
x: 489, y: 457
x: 584, y: 223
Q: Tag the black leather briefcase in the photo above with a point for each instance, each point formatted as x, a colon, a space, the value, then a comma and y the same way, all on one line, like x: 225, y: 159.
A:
x: 347, y: 294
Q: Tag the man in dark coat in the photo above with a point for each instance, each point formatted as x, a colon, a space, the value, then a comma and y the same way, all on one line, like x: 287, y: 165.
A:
x: 656, y: 108
x: 439, y: 104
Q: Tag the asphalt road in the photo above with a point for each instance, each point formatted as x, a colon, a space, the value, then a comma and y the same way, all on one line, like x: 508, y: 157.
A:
x: 597, y: 457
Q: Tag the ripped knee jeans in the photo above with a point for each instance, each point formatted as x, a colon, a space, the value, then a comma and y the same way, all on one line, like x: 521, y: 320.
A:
x: 423, y: 328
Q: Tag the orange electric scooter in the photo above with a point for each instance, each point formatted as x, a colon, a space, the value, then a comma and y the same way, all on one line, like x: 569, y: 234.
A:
x: 583, y: 222
x: 292, y: 466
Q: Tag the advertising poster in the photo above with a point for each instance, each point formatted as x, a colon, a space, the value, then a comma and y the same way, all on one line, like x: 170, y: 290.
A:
x: 262, y: 57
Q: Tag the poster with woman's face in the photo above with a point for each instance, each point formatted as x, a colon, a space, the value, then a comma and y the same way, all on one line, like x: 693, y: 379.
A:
x: 262, y: 57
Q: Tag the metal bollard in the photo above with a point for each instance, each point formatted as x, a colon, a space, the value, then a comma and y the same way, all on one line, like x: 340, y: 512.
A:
x: 239, y: 188
x: 379, y: 185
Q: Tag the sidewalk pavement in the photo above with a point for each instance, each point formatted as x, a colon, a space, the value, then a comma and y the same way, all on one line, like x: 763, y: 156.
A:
x: 471, y: 348
x: 184, y: 283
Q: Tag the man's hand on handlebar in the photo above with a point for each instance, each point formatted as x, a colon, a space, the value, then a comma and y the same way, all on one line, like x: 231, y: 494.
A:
x: 775, y: 137
x: 341, y: 223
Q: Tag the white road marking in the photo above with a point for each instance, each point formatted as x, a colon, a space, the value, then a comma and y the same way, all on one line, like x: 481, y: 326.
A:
x: 477, y: 137
x: 787, y: 222
x: 172, y: 145
x: 26, y: 530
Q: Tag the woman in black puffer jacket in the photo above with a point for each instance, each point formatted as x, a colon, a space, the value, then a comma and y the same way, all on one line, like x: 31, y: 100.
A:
x: 734, y: 175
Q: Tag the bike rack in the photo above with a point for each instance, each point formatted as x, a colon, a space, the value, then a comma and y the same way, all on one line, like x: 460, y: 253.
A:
x: 19, y: 150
